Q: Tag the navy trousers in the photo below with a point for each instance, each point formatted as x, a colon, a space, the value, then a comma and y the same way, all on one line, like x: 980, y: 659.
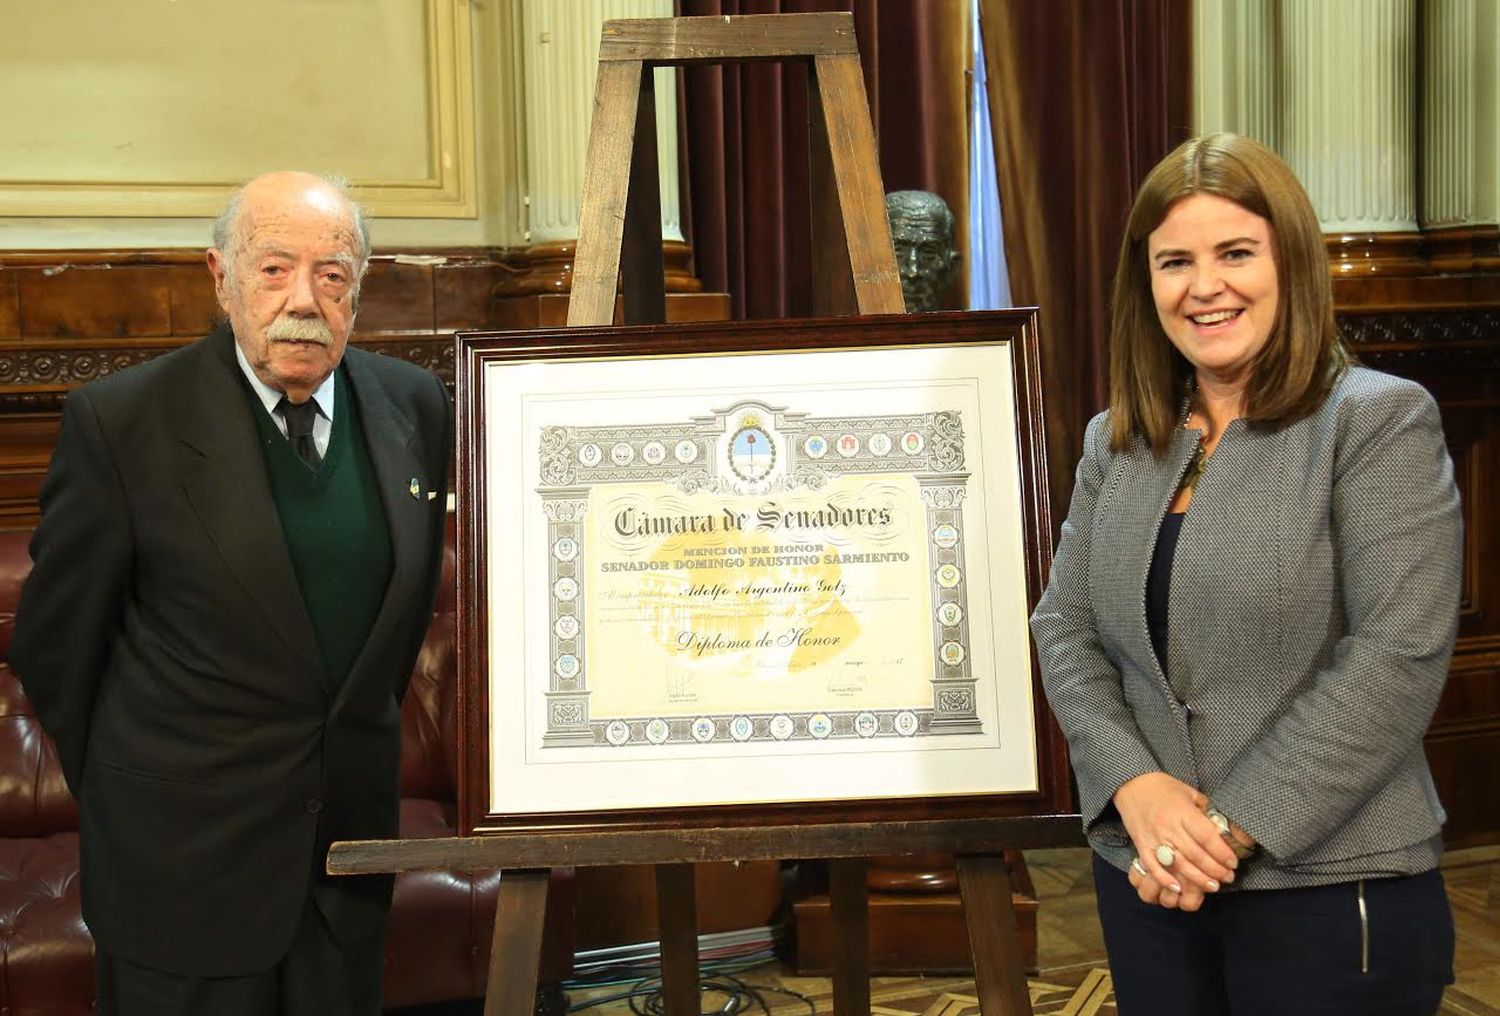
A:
x: 1281, y: 952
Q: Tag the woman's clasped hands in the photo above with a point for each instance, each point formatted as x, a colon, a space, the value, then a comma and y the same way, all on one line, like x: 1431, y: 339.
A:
x: 1180, y: 854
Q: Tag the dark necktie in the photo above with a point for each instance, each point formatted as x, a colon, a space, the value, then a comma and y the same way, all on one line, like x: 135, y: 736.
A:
x: 299, y: 419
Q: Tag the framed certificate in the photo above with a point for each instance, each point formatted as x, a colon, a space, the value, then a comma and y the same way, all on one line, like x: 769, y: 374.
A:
x: 756, y: 572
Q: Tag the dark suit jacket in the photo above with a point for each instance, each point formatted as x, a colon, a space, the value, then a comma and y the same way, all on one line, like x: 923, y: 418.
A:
x: 163, y: 640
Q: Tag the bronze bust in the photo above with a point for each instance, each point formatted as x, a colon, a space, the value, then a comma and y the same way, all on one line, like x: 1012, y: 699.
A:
x: 922, y: 234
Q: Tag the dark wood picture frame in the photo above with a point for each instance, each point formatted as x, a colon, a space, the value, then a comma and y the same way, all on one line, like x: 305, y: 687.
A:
x: 475, y: 350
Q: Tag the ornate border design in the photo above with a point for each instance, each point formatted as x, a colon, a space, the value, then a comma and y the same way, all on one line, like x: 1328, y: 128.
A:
x: 804, y: 453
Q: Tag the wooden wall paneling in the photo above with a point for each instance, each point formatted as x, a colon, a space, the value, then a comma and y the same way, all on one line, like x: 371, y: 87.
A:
x: 1466, y: 770
x: 96, y: 301
x: 395, y: 297
x: 26, y: 441
x: 1444, y: 332
x: 1463, y: 744
x: 1464, y: 249
x: 194, y: 307
x: 462, y: 291
x: 1357, y: 296
x: 73, y: 300
x: 1474, y: 445
x: 10, y: 306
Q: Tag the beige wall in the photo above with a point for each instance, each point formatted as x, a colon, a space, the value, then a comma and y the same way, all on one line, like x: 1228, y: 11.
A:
x: 125, y: 124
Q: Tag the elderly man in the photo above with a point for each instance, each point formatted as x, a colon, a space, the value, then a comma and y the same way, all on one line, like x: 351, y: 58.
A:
x: 235, y: 566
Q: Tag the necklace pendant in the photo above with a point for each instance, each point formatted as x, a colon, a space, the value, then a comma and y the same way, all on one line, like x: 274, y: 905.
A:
x: 1194, y: 467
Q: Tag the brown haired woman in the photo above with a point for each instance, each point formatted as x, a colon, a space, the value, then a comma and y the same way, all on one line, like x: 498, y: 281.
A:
x: 1249, y: 621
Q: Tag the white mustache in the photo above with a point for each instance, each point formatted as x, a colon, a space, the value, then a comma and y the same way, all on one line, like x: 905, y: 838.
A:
x: 294, y: 329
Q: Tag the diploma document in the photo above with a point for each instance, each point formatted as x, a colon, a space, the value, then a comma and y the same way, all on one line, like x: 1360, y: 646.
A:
x: 757, y: 576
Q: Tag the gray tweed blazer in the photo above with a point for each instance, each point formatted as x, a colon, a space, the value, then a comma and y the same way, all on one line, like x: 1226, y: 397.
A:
x: 1313, y: 610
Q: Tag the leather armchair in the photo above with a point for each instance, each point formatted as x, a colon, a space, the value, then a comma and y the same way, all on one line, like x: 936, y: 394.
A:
x: 438, y: 941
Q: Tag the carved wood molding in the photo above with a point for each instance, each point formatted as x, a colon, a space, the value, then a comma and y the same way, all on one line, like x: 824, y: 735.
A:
x: 38, y: 378
x: 1479, y: 324
x: 70, y: 366
x: 1449, y: 341
x: 434, y: 353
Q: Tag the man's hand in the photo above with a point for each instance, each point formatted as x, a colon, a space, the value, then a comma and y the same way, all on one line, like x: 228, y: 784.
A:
x: 1159, y: 809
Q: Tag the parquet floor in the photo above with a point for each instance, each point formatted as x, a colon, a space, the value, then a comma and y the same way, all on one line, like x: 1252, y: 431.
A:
x: 1473, y: 878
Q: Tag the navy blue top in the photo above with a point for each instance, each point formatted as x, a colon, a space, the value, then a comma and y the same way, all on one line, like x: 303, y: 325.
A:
x: 1159, y: 584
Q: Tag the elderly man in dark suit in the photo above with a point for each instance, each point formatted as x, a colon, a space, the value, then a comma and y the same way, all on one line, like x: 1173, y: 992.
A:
x: 235, y: 566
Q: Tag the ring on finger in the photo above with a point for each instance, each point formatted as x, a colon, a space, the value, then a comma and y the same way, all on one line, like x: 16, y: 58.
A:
x: 1137, y: 867
x: 1166, y: 854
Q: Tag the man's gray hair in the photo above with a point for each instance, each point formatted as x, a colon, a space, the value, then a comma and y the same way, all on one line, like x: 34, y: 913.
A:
x: 226, y: 234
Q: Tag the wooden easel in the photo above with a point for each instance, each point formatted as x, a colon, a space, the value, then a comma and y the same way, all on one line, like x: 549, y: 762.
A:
x: 852, y: 257
x: 855, y: 267
x: 527, y: 856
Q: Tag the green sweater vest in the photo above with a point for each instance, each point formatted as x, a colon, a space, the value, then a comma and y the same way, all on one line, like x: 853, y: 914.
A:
x: 335, y: 529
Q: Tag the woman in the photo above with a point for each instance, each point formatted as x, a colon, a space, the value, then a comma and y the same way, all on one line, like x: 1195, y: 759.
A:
x: 1249, y: 621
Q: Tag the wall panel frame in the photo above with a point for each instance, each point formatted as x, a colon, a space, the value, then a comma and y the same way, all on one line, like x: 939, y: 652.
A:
x: 445, y: 188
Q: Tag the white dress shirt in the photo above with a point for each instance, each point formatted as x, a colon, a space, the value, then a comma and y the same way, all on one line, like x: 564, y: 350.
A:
x: 323, y: 396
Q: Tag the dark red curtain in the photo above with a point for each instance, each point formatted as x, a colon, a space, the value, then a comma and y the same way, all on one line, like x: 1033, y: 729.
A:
x: 1085, y: 97
x: 745, y: 138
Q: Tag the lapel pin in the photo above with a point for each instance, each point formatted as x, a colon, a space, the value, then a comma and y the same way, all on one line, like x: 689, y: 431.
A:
x: 432, y: 495
x: 416, y: 488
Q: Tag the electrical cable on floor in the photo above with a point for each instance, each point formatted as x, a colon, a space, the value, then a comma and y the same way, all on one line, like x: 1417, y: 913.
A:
x: 639, y: 976
x: 646, y: 998
x: 724, y: 959
x: 603, y: 977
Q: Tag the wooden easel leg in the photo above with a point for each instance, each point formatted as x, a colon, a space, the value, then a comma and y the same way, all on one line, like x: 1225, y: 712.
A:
x: 849, y: 895
x: 999, y: 968
x: 677, y: 915
x: 855, y: 165
x: 606, y: 185
x: 516, y: 948
x: 833, y: 281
